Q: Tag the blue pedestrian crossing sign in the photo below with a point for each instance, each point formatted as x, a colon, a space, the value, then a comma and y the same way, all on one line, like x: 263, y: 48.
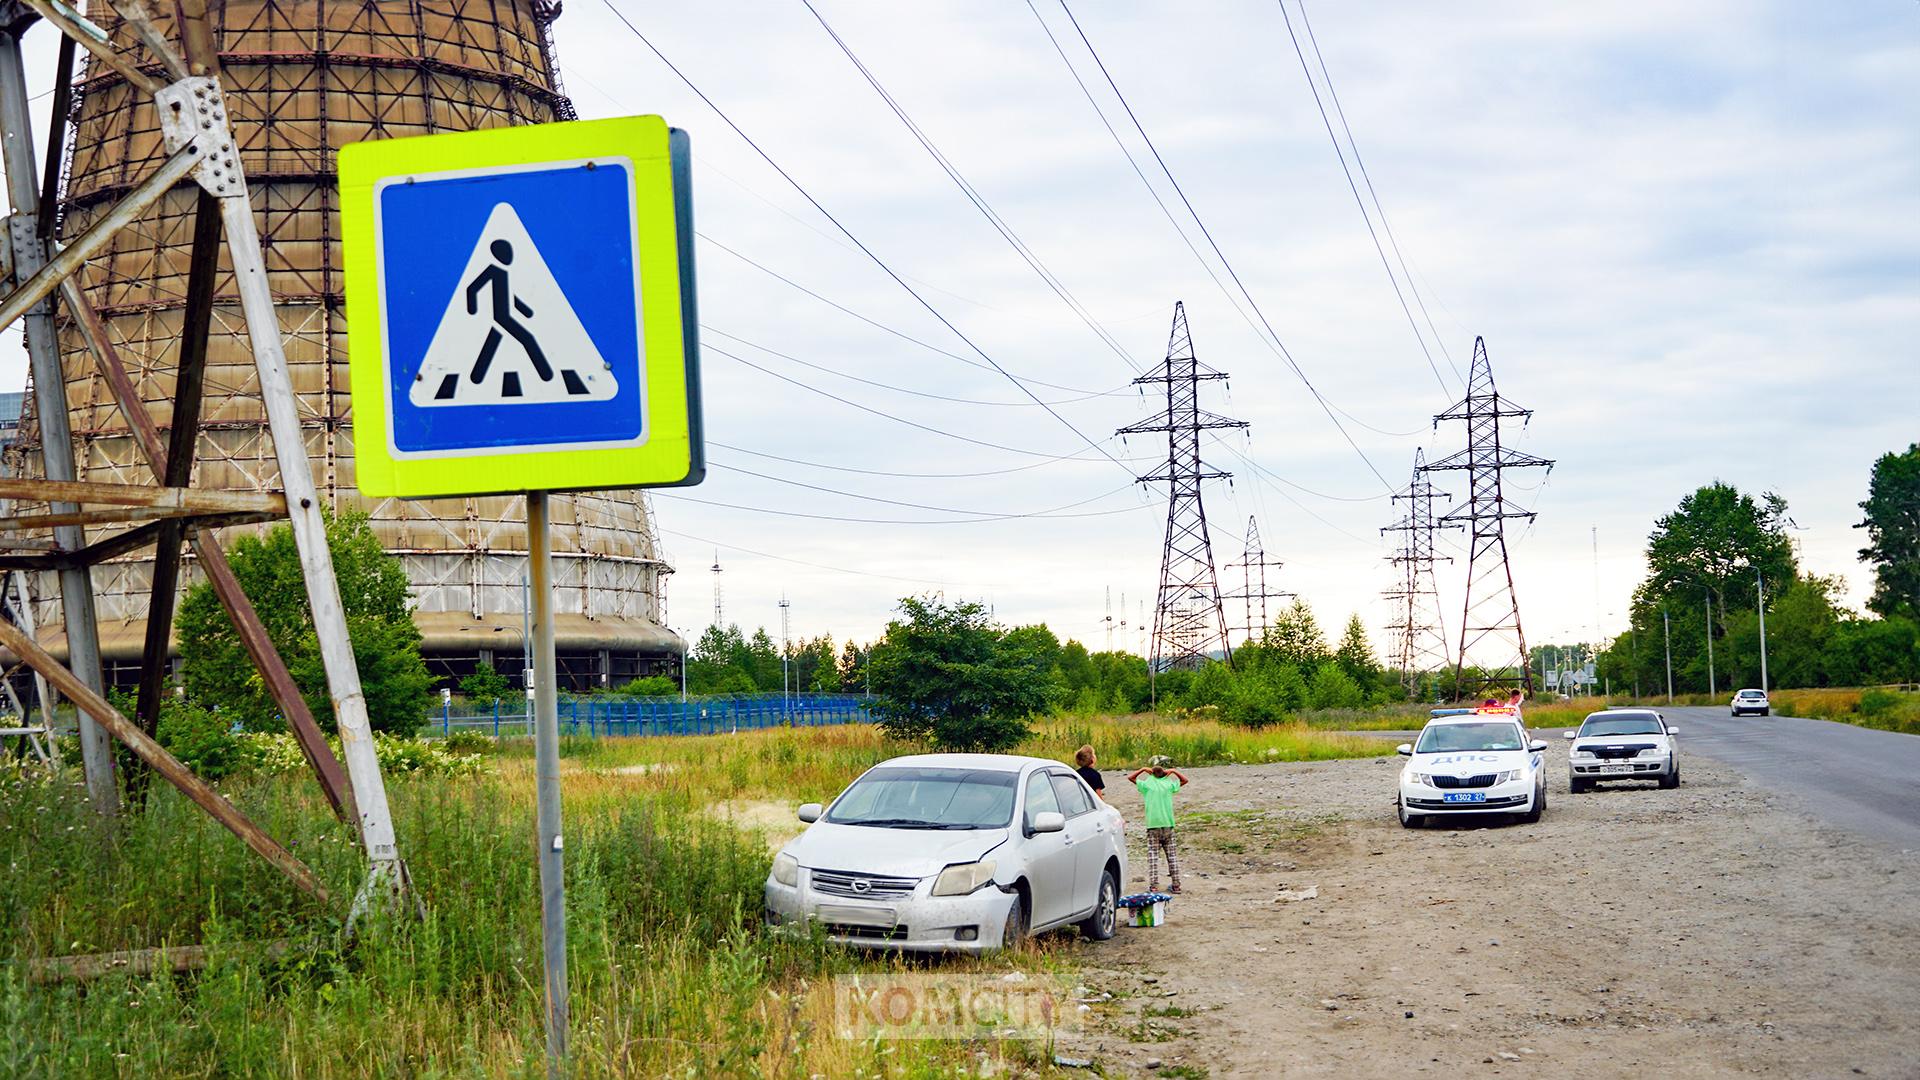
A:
x: 520, y: 310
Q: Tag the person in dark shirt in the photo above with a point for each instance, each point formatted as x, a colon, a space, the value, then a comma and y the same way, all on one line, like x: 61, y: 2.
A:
x: 1084, y: 761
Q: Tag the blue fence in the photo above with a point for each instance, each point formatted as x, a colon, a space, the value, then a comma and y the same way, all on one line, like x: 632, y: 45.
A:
x: 600, y: 716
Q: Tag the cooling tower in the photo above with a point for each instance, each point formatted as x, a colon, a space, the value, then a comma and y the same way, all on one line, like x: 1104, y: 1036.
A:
x: 302, y: 78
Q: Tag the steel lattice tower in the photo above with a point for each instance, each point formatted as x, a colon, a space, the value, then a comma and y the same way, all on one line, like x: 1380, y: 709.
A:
x: 1419, y: 635
x: 1254, y: 594
x: 1490, y: 617
x: 1189, y: 618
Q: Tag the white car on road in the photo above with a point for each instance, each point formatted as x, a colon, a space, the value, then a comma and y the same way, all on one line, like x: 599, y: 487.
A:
x: 954, y: 853
x: 1623, y: 744
x: 1752, y: 701
x: 1478, y: 762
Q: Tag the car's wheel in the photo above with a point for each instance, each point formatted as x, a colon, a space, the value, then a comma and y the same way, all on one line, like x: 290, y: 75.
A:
x: 1539, y: 804
x: 1671, y: 779
x: 1014, y: 933
x: 1766, y: 712
x: 1575, y: 786
x: 1410, y: 821
x: 1100, y: 925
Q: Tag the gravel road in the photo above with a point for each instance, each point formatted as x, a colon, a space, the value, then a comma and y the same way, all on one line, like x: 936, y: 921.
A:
x: 1713, y: 930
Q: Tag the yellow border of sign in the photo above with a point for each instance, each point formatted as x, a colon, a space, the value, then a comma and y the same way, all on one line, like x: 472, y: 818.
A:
x: 671, y: 454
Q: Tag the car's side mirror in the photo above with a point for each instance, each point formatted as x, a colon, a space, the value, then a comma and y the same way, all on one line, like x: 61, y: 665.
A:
x: 1569, y: 734
x: 810, y: 812
x: 1673, y: 731
x: 1047, y: 821
x: 1404, y: 749
x: 1536, y: 746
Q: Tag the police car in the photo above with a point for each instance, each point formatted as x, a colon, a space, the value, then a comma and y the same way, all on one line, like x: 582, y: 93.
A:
x: 1472, y: 762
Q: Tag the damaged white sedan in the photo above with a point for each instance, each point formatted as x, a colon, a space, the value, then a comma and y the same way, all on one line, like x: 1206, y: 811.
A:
x: 953, y: 853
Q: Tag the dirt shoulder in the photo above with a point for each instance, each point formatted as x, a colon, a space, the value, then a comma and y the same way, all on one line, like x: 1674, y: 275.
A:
x: 1712, y: 930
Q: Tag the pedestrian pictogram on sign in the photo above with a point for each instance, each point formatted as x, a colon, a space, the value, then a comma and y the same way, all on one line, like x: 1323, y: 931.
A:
x: 520, y: 309
x: 508, y: 335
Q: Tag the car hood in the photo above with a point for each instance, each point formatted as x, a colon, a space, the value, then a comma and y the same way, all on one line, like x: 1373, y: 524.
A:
x: 864, y: 849
x: 1603, y: 741
x: 1469, y: 762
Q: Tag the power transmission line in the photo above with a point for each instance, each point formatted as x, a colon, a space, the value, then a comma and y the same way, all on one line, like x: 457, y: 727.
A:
x: 1078, y: 455
x: 1053, y: 514
x: 988, y: 514
x: 877, y: 260
x: 902, y: 335
x: 1221, y: 255
x: 1358, y: 201
x: 973, y: 195
x: 1341, y: 112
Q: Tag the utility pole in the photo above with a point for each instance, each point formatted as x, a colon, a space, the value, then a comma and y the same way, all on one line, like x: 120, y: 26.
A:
x: 1666, y: 624
x: 1760, y: 601
x: 1108, y: 620
x: 1490, y: 619
x: 1188, y: 618
x: 1253, y: 566
x: 1710, y: 689
x: 785, y: 606
x: 717, y: 620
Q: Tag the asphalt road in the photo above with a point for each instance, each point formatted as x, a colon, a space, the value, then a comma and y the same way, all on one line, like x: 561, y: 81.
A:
x: 1859, y: 779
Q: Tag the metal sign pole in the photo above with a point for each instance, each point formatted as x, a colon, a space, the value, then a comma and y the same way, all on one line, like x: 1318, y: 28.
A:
x: 546, y: 766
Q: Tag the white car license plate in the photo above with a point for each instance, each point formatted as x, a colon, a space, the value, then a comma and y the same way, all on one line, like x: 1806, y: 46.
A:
x: 1464, y: 796
x: 848, y: 915
x: 1616, y: 768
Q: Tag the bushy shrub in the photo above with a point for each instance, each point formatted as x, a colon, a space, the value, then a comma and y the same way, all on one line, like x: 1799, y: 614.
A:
x: 651, y: 686
x: 202, y: 739
x: 468, y: 743
x: 1332, y: 688
x: 278, y: 752
x: 1879, y: 703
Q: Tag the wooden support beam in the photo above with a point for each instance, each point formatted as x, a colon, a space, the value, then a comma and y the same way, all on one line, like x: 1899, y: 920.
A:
x: 121, y: 543
x: 118, y: 515
x: 213, y: 560
x: 139, y: 963
x: 56, y: 137
x: 196, y: 500
x: 162, y: 762
x: 177, y: 472
x: 286, y: 693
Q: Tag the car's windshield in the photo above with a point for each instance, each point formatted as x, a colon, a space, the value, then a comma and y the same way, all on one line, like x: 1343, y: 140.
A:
x: 1640, y: 724
x: 927, y: 798
x: 1751, y: 694
x: 1490, y: 735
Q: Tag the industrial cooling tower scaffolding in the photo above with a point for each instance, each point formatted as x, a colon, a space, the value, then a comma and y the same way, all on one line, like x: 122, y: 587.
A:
x: 184, y: 87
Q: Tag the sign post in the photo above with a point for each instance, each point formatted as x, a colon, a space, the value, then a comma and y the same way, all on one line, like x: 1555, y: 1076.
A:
x: 521, y: 319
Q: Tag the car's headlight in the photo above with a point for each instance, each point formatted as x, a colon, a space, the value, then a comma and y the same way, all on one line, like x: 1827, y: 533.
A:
x: 1580, y: 752
x: 963, y: 878
x: 1425, y: 779
x: 786, y: 869
x: 1510, y: 774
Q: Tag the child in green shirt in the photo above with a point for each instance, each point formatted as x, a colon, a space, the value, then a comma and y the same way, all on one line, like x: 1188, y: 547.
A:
x: 1156, y: 791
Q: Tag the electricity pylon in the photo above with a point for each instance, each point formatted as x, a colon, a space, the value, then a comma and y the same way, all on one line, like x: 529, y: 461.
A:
x: 1418, y: 632
x: 1254, y: 593
x: 1490, y: 616
x: 1188, y: 621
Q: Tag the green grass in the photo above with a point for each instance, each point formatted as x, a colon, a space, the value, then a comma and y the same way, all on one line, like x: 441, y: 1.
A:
x: 671, y: 971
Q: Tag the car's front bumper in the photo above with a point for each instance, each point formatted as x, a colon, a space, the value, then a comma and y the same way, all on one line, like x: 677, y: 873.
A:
x: 919, y: 922
x: 1643, y: 768
x: 1512, y: 797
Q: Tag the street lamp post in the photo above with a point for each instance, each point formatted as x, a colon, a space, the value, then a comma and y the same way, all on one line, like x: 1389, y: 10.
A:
x: 1760, y: 600
x: 1666, y: 625
x: 1710, y: 687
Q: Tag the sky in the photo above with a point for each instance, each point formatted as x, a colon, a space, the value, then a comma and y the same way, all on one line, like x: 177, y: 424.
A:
x: 1689, y: 233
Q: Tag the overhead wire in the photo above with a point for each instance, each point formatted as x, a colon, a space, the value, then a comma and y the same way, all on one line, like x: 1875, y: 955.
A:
x: 887, y: 415
x: 1283, y: 351
x: 1385, y: 224
x: 805, y: 562
x: 1361, y: 202
x: 891, y: 386
x: 989, y: 515
x: 1053, y: 514
x: 878, y: 325
x: 1077, y: 455
x: 877, y: 261
x: 973, y: 195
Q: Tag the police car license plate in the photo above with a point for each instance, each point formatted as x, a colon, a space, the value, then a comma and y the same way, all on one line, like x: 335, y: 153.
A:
x: 1464, y: 796
x: 1616, y: 768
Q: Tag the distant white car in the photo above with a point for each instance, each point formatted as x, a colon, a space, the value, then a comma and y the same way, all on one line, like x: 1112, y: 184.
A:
x: 954, y: 853
x: 1623, y: 744
x: 1752, y: 701
x: 1478, y: 762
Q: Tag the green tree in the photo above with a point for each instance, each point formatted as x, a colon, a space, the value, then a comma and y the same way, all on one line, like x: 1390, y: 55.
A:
x: 1355, y: 657
x: 218, y: 674
x: 1893, y: 533
x: 947, y: 675
x: 1295, y: 637
x: 1333, y: 688
x: 485, y: 686
x: 1712, y: 545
